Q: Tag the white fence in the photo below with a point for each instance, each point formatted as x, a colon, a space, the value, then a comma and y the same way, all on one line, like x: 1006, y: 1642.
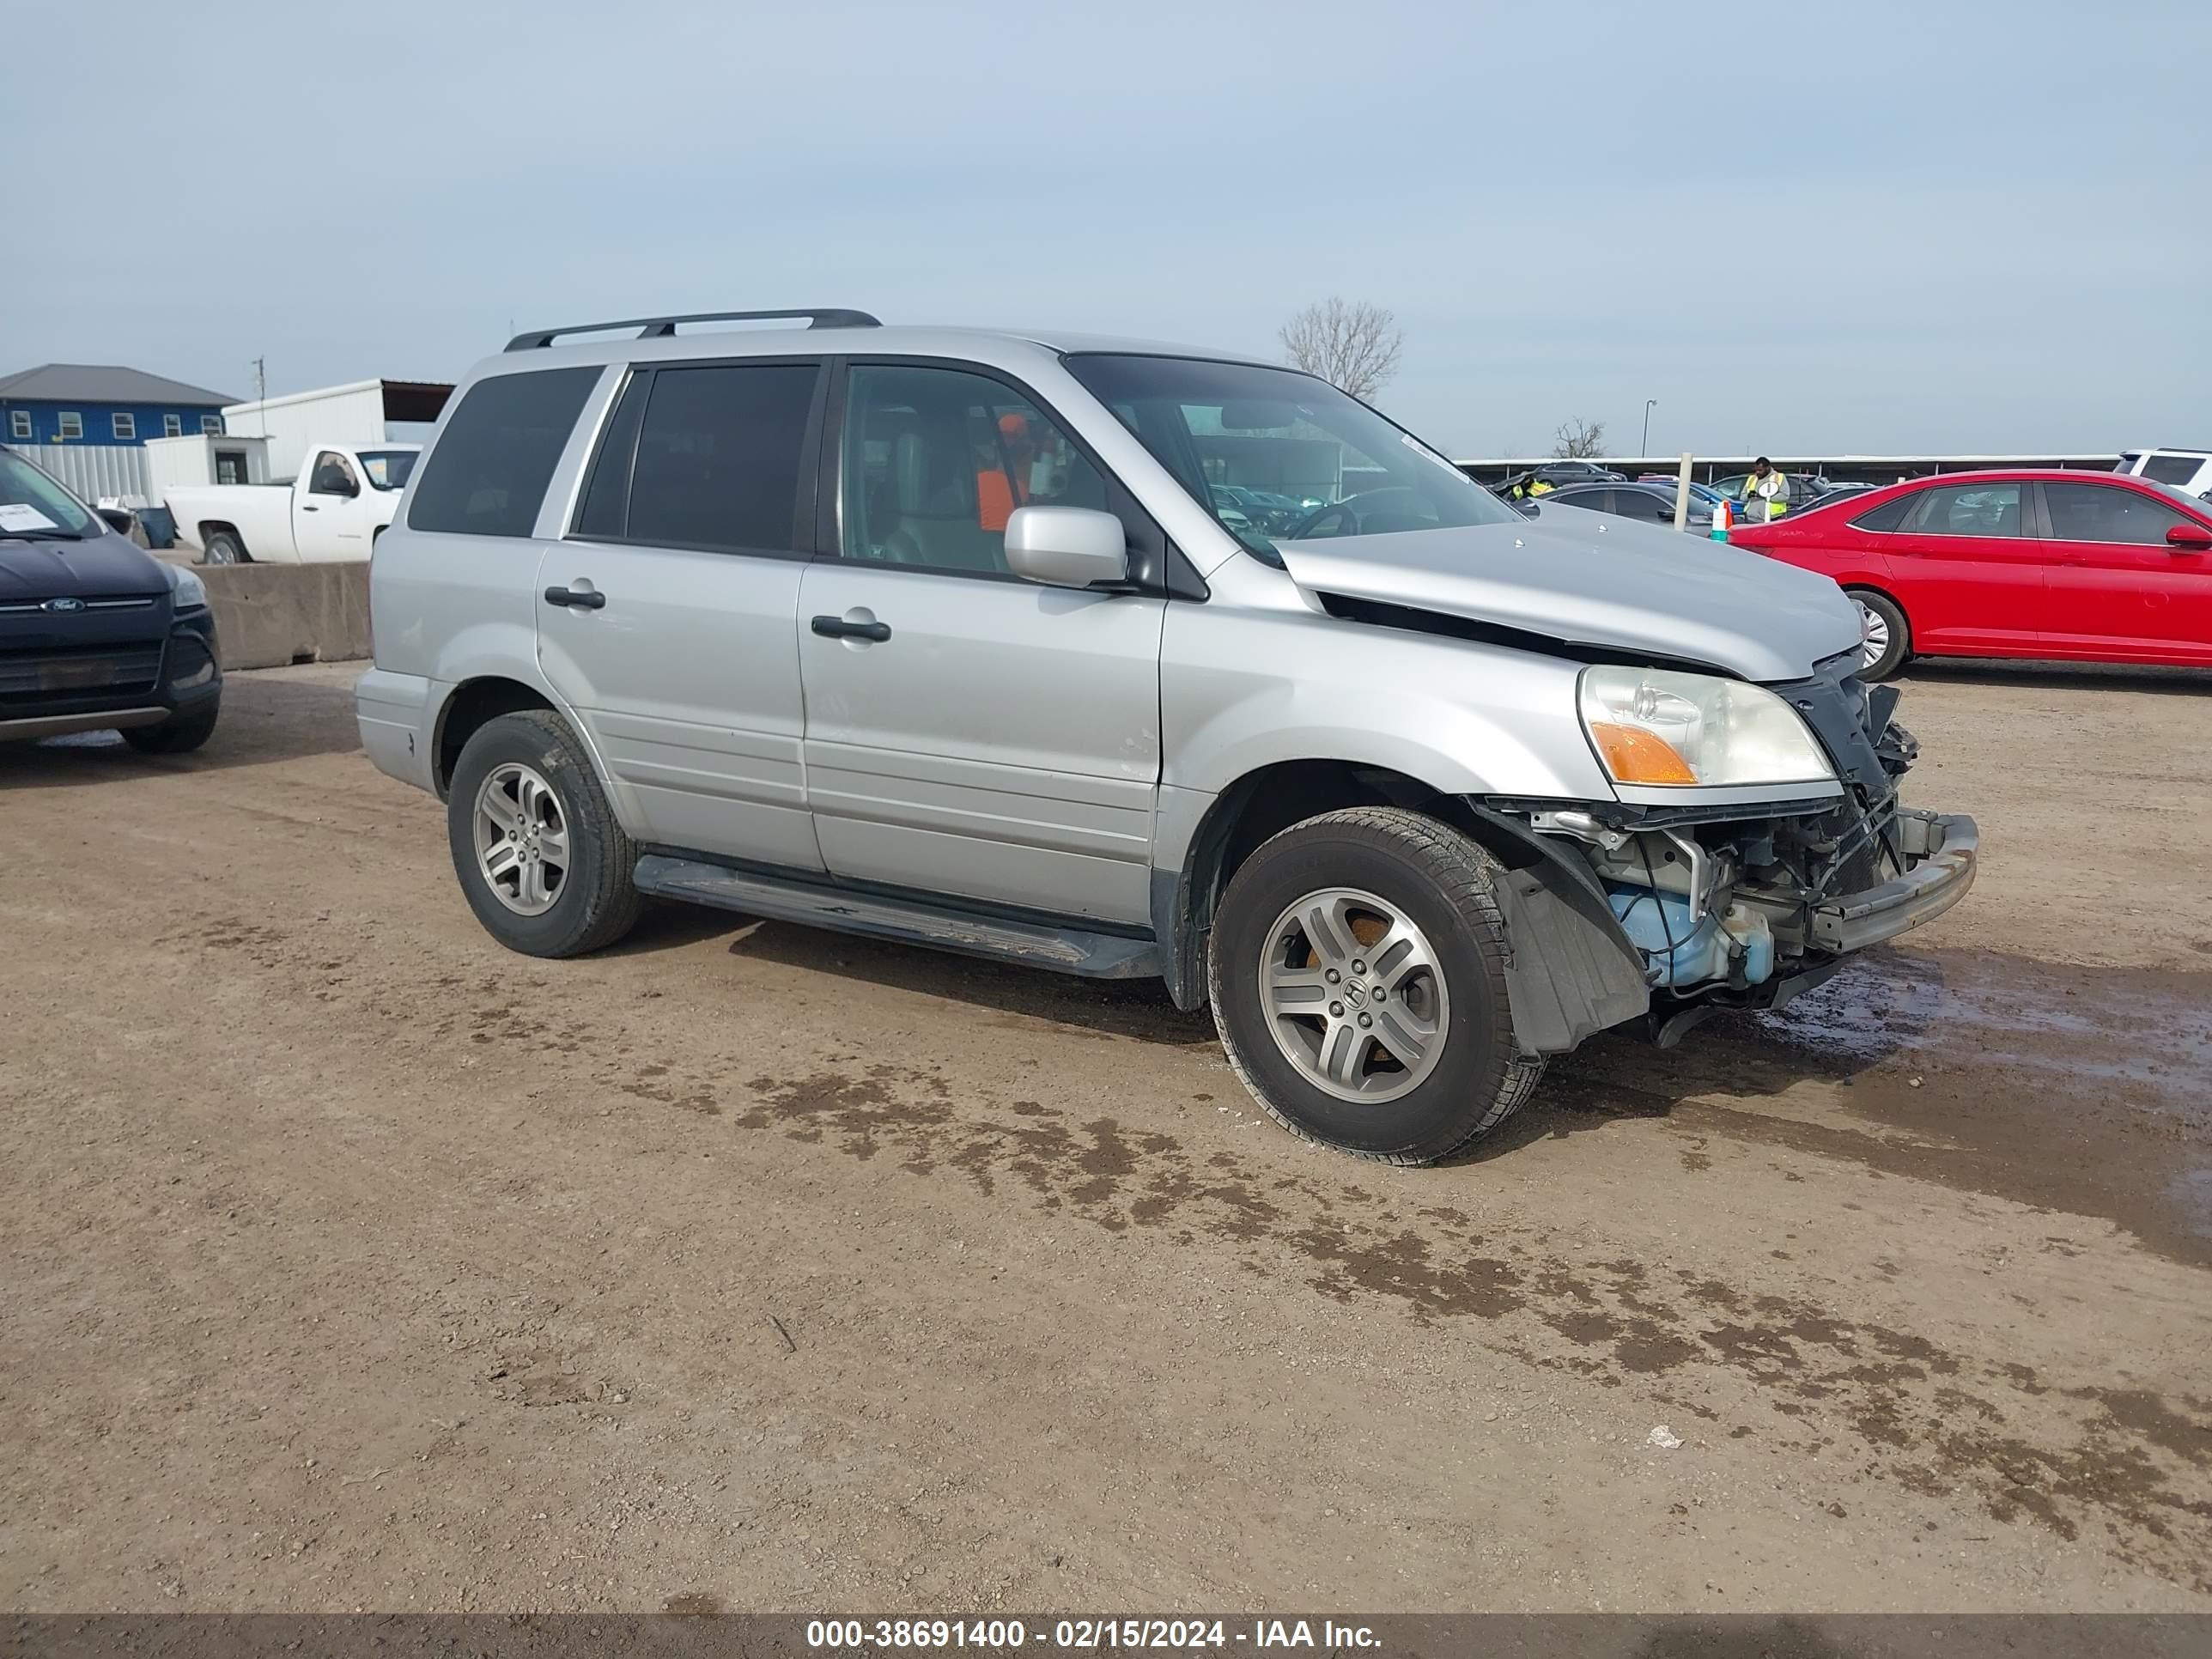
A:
x: 93, y: 470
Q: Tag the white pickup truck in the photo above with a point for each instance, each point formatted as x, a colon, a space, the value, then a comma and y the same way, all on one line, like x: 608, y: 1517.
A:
x: 333, y: 511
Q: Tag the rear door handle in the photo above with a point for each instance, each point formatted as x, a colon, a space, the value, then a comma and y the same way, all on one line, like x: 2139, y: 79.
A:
x: 588, y: 598
x: 836, y: 627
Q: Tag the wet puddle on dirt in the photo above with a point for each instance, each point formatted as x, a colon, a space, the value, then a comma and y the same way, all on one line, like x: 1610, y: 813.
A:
x: 2087, y: 1090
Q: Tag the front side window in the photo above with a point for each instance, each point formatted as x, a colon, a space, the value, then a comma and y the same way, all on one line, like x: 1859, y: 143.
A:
x: 2107, y: 512
x: 72, y: 424
x: 1968, y: 510
x: 123, y: 426
x: 19, y: 423
x: 936, y: 460
x: 333, y: 475
x: 1325, y: 463
x: 496, y: 453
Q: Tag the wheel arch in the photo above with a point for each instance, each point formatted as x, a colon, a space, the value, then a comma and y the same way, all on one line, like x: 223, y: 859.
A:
x: 208, y: 527
x: 1264, y: 802
x: 1883, y: 591
x: 472, y: 703
x: 1880, y: 589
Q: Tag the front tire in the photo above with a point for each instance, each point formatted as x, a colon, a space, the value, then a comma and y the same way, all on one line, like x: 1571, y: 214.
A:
x: 178, y: 736
x: 1357, y: 968
x: 540, y: 856
x: 1888, y: 636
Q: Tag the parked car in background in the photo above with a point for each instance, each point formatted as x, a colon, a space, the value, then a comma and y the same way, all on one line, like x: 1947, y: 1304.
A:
x: 333, y: 512
x: 1264, y: 509
x: 1554, y: 475
x: 1412, y: 799
x: 1647, y: 503
x: 95, y: 633
x: 1805, y: 488
x: 2186, y: 470
x: 2090, y: 567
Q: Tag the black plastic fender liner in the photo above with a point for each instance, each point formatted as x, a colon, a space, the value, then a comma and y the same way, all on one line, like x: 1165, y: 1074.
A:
x: 1574, y: 972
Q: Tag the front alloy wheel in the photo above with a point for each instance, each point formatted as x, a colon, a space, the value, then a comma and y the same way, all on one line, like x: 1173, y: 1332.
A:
x: 1357, y: 966
x: 1354, y: 998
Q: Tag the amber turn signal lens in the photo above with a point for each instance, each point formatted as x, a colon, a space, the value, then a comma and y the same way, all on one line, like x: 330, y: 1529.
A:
x: 1635, y: 756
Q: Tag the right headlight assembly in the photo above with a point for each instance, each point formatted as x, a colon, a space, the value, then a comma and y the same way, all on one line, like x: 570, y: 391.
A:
x: 1652, y: 726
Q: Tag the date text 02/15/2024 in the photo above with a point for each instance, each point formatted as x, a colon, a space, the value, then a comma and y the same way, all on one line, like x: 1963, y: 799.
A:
x: 1085, y: 1634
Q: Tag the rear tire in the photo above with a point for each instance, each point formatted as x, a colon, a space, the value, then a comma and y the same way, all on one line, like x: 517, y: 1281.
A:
x: 1889, y: 641
x: 1414, y: 889
x: 178, y: 736
x: 222, y: 547
x: 540, y: 856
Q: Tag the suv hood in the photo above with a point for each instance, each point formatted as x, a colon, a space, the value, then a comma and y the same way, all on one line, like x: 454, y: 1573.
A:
x: 1597, y: 582
x: 104, y: 568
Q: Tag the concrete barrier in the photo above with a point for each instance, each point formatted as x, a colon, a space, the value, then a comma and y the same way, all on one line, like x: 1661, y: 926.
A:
x: 268, y: 615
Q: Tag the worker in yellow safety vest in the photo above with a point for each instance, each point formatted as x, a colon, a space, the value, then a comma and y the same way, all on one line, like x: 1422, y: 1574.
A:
x: 1766, y: 492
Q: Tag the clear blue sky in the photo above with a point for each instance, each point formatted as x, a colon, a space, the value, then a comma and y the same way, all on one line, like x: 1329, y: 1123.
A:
x: 2010, y: 248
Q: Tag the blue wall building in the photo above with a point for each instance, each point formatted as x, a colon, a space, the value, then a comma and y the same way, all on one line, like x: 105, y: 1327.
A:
x: 95, y: 405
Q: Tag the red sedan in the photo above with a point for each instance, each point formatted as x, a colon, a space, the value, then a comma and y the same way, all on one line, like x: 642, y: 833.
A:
x: 2090, y: 566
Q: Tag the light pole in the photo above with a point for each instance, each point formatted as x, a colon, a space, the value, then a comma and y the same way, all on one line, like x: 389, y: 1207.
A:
x: 1643, y: 446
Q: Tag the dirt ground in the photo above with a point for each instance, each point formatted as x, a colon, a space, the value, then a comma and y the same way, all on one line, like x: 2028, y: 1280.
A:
x: 353, y: 1262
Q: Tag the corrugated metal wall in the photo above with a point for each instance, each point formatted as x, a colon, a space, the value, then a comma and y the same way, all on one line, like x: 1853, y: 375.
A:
x: 92, y: 471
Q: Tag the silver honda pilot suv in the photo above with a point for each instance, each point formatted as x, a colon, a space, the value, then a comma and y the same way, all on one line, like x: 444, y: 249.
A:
x: 1126, y: 661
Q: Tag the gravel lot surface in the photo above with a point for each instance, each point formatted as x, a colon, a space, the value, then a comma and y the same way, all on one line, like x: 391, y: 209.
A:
x: 352, y: 1261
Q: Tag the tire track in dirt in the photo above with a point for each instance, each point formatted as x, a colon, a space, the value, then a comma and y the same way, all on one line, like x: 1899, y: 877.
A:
x: 2129, y: 1464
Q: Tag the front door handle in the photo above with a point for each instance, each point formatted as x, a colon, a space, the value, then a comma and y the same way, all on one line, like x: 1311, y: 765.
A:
x: 836, y: 627
x: 588, y: 598
x: 309, y: 507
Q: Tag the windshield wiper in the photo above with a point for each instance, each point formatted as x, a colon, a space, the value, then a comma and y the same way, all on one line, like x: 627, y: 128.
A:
x: 39, y: 536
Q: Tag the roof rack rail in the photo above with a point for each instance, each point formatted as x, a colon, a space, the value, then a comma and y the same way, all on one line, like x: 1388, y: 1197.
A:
x: 661, y: 328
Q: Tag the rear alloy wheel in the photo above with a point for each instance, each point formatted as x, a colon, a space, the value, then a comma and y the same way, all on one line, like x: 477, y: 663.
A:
x: 1886, y: 637
x: 1357, y: 977
x: 224, y: 548
x: 540, y: 855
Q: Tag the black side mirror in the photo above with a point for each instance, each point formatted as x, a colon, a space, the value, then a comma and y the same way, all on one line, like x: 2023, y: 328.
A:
x: 118, y: 519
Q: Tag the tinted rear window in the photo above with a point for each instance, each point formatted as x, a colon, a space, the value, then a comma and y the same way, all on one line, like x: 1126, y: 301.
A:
x: 488, y: 475
x: 2170, y: 469
x: 1887, y: 516
x: 719, y: 457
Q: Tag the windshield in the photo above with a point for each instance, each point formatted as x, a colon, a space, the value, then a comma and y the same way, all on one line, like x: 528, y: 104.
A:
x: 1276, y: 455
x: 34, y: 508
x: 387, y: 469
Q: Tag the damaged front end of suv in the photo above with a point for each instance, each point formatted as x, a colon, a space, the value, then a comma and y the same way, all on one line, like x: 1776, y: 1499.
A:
x: 1756, y: 841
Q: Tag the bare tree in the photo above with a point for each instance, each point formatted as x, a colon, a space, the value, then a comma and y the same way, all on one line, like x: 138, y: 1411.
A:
x: 1579, y: 441
x: 1353, y: 345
